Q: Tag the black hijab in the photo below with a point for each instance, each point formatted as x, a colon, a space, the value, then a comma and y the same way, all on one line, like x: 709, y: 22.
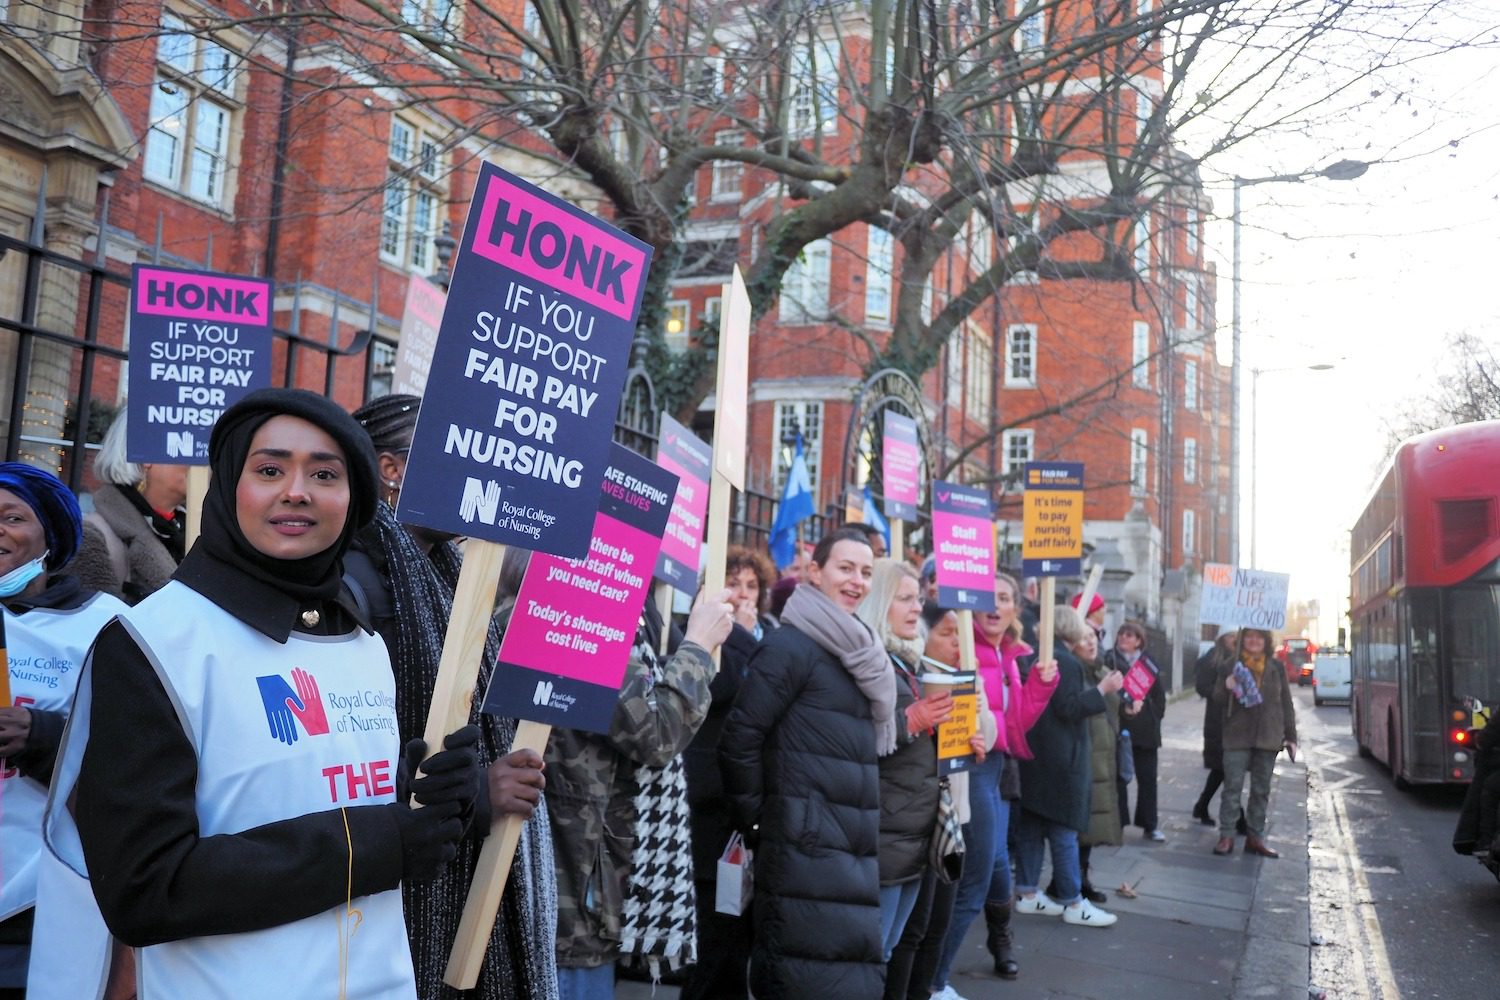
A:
x: 222, y: 547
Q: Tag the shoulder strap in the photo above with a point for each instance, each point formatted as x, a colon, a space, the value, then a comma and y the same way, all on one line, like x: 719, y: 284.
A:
x: 119, y: 561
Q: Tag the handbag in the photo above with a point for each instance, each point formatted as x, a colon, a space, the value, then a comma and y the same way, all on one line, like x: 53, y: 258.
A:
x: 735, y: 884
x: 946, y: 852
x: 1125, y: 757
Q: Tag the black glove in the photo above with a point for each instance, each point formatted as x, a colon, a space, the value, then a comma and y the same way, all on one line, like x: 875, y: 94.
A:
x: 429, y: 838
x: 450, y: 775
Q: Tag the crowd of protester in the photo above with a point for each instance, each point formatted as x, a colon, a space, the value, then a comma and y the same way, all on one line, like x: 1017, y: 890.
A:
x: 161, y: 847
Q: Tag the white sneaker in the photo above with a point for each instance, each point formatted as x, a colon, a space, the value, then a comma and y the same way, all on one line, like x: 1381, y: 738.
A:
x: 1086, y: 914
x: 1040, y: 904
x: 946, y: 993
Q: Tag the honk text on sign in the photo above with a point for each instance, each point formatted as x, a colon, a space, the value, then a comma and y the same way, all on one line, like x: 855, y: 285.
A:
x: 198, y: 342
x: 570, y: 636
x: 526, y: 374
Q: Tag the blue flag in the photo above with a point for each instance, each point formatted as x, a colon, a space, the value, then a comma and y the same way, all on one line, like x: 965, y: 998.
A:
x: 872, y: 516
x: 796, y: 506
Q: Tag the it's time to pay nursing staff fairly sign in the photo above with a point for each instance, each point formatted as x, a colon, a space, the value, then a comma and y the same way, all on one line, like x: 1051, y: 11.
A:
x: 518, y: 415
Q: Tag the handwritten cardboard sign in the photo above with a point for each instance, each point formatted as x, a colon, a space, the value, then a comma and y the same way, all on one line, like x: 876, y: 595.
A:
x: 198, y: 342
x: 419, y: 331
x: 569, y: 639
x: 1234, y: 597
x: 1052, y: 522
x: 900, y: 466
x: 690, y: 459
x: 518, y: 414
x: 963, y: 547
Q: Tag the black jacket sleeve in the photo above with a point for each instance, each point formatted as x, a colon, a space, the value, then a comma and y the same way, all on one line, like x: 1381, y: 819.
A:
x: 155, y: 878
x: 1074, y: 698
x: 774, y: 679
x: 40, y: 754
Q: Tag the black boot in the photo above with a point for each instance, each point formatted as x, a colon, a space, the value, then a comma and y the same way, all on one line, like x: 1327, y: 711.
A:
x: 997, y: 921
x: 1200, y: 813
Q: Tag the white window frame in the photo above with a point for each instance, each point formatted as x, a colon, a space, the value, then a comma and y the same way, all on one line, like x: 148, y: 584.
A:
x: 954, y: 370
x: 680, y: 310
x: 804, y: 286
x: 1141, y: 251
x: 434, y: 15
x: 1190, y: 460
x: 725, y: 176
x: 1144, y: 107
x: 880, y: 275
x: 1191, y: 244
x: 809, y: 416
x: 813, y: 104
x: 412, y: 210
x: 194, y: 123
x: 978, y: 375
x: 1032, y: 33
x: 1140, y: 354
x: 1017, y: 447
x: 1190, y: 385
x: 1190, y: 302
x: 1189, y: 532
x: 1020, y: 356
x: 1140, y: 461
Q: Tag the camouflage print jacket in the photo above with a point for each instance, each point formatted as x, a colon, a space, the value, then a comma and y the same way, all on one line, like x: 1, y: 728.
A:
x: 590, y: 798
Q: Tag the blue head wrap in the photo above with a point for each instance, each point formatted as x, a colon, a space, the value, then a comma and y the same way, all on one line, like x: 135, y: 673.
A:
x: 55, y: 506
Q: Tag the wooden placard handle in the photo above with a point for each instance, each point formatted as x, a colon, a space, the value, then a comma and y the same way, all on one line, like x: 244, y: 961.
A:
x: 664, y: 592
x: 197, y: 489
x: 718, y: 541
x: 1090, y: 589
x: 898, y: 540
x: 1045, y: 627
x: 968, y: 659
x: 490, y: 875
x: 463, y: 644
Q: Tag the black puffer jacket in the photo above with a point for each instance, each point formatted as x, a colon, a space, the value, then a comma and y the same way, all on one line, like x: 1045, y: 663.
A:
x: 1205, y: 679
x: 1056, y: 783
x: 797, y: 757
x: 908, y: 794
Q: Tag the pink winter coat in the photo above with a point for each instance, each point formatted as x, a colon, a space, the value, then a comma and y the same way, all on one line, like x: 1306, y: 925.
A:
x: 997, y: 667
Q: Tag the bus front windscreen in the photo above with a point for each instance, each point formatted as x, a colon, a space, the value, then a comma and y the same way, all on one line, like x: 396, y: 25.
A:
x: 1473, y: 642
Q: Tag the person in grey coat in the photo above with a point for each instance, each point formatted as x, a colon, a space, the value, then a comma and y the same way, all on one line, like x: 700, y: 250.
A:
x: 1259, y: 722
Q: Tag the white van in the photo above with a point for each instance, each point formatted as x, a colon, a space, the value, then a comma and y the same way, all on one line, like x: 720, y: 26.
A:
x: 1331, y: 681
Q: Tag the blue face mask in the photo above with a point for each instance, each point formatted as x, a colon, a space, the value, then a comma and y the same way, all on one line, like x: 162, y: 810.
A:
x: 20, y: 578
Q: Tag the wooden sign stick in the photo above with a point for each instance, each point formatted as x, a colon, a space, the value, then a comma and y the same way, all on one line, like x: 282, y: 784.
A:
x: 1090, y: 589
x: 4, y: 669
x: 1045, y: 627
x: 197, y: 489
x: 731, y: 403
x: 718, y: 538
x: 664, y: 592
x: 968, y: 660
x: 898, y: 540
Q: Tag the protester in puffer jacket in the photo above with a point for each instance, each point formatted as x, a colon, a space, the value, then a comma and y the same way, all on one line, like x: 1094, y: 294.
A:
x: 799, y: 761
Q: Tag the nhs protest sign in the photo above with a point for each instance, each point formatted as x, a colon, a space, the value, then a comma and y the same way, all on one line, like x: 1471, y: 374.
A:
x: 1052, y: 519
x: 900, y: 466
x: 963, y: 544
x: 198, y: 342
x: 519, y: 408
x: 691, y: 460
x: 1243, y: 598
x: 419, y: 330
x: 569, y: 639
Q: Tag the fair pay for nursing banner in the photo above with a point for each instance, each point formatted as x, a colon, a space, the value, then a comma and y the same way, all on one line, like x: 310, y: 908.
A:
x: 518, y: 414
x: 569, y: 639
x: 198, y: 342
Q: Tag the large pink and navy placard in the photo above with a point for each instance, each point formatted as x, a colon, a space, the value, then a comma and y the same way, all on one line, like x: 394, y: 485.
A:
x: 569, y: 639
x: 198, y: 342
x: 963, y: 547
x: 519, y: 409
x: 900, y: 466
x: 691, y: 459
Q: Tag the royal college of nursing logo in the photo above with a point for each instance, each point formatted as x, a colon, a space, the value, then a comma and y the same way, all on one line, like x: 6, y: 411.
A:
x: 287, y: 705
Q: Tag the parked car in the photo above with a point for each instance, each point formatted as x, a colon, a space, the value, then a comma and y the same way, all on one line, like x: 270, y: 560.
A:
x: 1331, y: 677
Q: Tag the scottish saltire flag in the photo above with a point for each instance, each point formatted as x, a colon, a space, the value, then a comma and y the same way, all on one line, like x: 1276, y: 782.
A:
x: 796, y: 506
x: 872, y: 516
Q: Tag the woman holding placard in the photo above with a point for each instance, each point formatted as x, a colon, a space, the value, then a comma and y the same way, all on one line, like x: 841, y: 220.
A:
x: 1141, y: 716
x: 799, y: 760
x: 1259, y: 722
x: 1016, y: 706
x: 49, y: 622
x: 240, y: 793
x: 407, y: 576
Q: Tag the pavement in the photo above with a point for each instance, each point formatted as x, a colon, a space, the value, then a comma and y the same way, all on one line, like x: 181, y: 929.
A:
x: 1200, y: 926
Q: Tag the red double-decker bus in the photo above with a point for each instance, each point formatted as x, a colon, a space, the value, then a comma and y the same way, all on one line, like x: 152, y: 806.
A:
x: 1425, y: 602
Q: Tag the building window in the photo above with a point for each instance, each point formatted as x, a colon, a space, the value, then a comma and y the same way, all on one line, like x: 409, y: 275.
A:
x: 1140, y: 458
x: 439, y: 14
x: 804, y: 287
x: 192, y: 113
x: 1189, y: 532
x: 1190, y: 386
x: 1192, y: 232
x: 711, y: 307
x: 955, y: 367
x: 1140, y: 355
x: 1016, y: 449
x: 1190, y: 303
x: 1020, y: 355
x: 676, y: 331
x: 981, y: 363
x: 382, y: 367
x: 1142, y: 13
x: 977, y: 232
x: 1033, y: 32
x: 1190, y: 460
x: 815, y: 90
x: 724, y: 184
x: 1142, y: 251
x: 880, y: 257
x: 1143, y: 111
x: 412, y: 209
x: 791, y: 417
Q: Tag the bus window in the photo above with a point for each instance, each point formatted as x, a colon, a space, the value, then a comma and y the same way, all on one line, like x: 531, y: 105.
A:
x: 1474, y: 642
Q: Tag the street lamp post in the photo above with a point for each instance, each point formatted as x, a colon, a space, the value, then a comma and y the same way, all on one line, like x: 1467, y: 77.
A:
x: 1341, y: 170
x: 1255, y: 374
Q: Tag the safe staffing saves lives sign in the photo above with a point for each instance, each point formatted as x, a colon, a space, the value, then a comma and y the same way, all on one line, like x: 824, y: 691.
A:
x: 518, y: 414
x: 569, y: 639
x: 198, y: 342
x: 963, y: 540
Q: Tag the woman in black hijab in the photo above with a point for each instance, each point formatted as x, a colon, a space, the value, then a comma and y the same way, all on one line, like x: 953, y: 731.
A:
x: 242, y: 804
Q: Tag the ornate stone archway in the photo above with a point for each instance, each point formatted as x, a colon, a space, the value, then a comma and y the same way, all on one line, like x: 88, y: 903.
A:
x: 887, y: 388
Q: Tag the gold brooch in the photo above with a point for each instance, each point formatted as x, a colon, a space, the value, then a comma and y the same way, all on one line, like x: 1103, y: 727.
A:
x: 310, y: 618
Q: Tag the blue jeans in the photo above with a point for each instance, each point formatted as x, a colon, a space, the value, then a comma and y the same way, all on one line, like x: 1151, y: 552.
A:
x: 986, y: 876
x: 896, y: 902
x: 1031, y: 832
x: 598, y: 983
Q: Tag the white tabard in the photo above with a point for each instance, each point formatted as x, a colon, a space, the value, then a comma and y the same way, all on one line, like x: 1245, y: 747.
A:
x: 280, y: 730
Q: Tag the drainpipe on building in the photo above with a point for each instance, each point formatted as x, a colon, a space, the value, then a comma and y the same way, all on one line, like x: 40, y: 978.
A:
x: 283, y: 139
